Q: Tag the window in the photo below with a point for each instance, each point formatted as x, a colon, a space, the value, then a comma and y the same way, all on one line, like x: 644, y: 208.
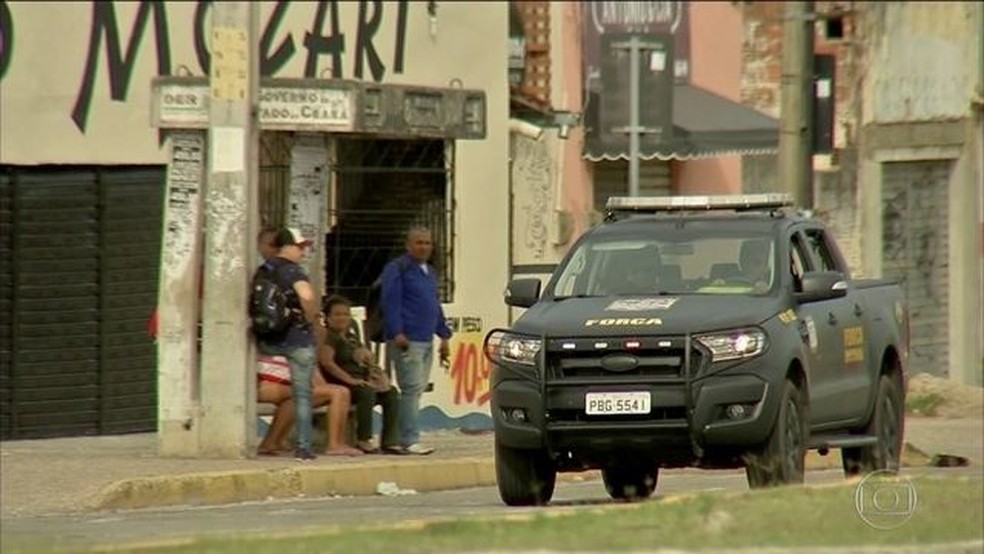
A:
x: 797, y: 262
x: 817, y: 242
x: 381, y: 189
x: 680, y: 261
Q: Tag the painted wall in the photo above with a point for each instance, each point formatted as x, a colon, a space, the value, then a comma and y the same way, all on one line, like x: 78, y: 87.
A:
x: 716, y: 35
x: 75, y: 90
x: 926, y: 61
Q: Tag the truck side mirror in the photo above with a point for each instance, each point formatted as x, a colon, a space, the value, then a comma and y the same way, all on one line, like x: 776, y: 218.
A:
x: 821, y: 285
x: 522, y: 293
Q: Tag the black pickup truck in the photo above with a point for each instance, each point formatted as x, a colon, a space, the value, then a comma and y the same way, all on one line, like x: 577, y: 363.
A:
x: 712, y: 332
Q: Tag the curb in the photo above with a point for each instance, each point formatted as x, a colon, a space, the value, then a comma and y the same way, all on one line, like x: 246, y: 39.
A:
x: 208, y: 489
x: 357, y: 479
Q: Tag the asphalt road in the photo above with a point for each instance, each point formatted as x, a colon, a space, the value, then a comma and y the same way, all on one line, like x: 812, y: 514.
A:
x: 275, y: 517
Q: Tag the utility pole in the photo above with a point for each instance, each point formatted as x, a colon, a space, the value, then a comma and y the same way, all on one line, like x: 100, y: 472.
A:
x: 635, y: 46
x: 228, y: 382
x: 796, y: 111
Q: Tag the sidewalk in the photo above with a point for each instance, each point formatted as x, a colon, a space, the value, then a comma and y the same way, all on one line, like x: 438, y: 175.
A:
x: 119, y: 472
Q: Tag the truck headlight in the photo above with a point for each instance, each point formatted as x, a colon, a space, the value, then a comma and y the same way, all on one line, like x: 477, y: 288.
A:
x: 506, y: 347
x: 735, y: 344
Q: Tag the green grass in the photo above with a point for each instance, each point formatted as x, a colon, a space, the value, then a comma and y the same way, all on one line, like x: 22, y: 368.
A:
x: 947, y: 510
x: 925, y: 404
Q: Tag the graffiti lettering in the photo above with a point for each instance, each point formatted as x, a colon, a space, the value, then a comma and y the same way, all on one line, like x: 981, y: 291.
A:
x: 201, y: 49
x: 274, y: 56
x: 7, y: 38
x: 363, y: 41
x: 270, y: 65
x: 470, y: 374
x: 318, y: 44
x: 120, y: 66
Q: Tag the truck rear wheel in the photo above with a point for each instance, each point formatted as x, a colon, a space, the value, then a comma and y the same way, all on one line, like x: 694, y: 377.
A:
x: 629, y: 482
x: 887, y: 423
x: 781, y: 460
x: 524, y: 477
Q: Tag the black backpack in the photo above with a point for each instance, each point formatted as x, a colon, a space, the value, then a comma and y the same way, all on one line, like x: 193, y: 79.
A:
x: 269, y: 307
x: 375, y: 321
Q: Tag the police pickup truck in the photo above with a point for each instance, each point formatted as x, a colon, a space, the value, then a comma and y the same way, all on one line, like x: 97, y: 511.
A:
x: 712, y: 332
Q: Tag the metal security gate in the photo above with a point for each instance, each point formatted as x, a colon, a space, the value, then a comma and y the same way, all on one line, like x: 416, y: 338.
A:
x: 915, y: 251
x: 382, y: 188
x: 83, y: 247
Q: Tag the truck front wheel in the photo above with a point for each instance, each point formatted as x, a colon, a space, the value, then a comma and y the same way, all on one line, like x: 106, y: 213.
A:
x: 630, y: 482
x: 887, y: 424
x: 781, y: 460
x: 524, y: 477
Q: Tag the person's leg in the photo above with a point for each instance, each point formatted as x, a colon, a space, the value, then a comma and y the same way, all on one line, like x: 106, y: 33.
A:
x: 339, y: 402
x: 365, y: 399
x: 390, y: 401
x: 302, y: 362
x: 283, y: 417
x: 411, y: 375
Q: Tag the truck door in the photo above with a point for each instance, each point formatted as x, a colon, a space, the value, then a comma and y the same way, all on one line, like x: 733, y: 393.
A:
x: 850, y: 380
x: 819, y: 340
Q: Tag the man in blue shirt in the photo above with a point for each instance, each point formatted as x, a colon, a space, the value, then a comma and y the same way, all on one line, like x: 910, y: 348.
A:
x: 412, y: 315
x: 296, y: 343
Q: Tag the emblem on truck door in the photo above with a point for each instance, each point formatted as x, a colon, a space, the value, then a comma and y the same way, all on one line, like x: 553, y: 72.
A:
x: 619, y: 321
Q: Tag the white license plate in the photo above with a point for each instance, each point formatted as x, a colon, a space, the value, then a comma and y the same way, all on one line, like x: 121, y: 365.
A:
x: 616, y: 403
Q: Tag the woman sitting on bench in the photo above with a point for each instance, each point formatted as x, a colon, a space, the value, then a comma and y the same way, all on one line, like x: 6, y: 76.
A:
x: 274, y: 387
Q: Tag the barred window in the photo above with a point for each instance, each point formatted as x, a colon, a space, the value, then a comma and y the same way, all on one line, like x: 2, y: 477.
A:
x: 380, y: 190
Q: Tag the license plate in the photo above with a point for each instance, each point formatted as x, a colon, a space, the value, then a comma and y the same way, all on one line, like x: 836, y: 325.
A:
x: 616, y: 403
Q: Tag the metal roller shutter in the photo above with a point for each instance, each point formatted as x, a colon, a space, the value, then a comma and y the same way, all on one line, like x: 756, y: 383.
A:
x: 56, y: 306
x: 81, y: 247
x: 916, y: 252
x: 6, y: 302
x: 130, y: 232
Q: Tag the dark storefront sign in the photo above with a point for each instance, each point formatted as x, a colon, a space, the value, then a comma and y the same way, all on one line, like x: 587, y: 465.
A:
x: 681, y: 121
x: 333, y: 105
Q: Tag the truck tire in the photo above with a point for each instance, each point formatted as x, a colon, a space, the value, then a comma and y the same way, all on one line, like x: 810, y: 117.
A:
x: 629, y: 482
x: 887, y: 423
x: 524, y: 477
x: 781, y: 460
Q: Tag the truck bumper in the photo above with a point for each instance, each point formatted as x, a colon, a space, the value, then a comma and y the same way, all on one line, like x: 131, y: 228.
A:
x: 678, y: 429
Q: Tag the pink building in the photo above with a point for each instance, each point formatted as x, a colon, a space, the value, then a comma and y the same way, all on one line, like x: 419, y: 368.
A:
x: 575, y: 86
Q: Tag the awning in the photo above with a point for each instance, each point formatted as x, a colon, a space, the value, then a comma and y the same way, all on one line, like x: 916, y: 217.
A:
x: 704, y: 125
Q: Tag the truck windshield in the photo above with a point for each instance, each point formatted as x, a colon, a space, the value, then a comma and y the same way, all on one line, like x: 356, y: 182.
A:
x: 679, y: 262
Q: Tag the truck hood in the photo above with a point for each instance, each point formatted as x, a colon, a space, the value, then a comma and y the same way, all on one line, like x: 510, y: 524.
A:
x: 626, y: 315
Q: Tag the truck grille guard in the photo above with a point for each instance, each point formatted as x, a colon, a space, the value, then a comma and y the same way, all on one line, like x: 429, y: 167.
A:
x: 687, y: 375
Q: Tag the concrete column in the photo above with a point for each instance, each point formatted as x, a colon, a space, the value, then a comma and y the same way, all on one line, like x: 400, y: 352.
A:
x: 178, y: 303
x: 228, y: 353
x: 307, y: 205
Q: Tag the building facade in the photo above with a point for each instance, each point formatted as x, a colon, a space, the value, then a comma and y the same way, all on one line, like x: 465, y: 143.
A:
x: 83, y: 172
x: 902, y: 184
x: 575, y: 88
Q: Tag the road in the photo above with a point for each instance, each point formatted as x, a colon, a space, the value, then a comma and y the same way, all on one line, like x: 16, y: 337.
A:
x: 167, y: 525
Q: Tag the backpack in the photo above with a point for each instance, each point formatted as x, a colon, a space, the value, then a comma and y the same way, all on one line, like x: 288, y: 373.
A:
x: 375, y: 320
x: 269, y: 308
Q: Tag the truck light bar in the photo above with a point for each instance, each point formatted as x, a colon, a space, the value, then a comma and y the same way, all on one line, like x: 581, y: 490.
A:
x: 722, y: 202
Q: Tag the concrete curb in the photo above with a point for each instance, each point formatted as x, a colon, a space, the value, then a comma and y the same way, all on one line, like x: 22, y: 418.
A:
x: 354, y: 479
x: 357, y: 479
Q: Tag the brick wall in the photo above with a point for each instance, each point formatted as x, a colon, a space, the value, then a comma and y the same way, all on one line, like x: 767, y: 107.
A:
x: 836, y: 189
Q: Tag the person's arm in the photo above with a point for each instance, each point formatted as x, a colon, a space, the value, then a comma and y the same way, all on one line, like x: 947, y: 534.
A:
x: 392, y: 300
x: 326, y: 358
x: 308, y: 303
